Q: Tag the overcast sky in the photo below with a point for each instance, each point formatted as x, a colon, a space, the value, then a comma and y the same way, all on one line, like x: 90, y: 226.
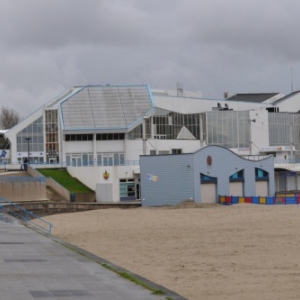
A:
x: 213, y: 46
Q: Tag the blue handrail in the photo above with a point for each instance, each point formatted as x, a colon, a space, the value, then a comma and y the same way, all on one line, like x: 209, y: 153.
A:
x: 26, y: 215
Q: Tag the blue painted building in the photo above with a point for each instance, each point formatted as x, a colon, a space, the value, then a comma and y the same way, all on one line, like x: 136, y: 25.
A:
x: 203, y: 176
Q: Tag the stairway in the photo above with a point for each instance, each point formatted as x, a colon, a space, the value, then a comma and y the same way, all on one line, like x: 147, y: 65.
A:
x: 54, y: 196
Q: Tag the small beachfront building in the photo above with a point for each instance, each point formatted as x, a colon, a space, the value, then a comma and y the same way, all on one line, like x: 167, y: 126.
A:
x: 203, y: 176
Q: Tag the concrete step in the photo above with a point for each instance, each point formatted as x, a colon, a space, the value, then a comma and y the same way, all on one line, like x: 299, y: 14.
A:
x: 54, y: 196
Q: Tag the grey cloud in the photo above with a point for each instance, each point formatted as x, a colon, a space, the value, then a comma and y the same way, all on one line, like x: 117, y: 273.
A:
x: 209, y: 45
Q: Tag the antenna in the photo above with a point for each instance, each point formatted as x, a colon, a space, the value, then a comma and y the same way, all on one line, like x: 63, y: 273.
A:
x: 292, y: 88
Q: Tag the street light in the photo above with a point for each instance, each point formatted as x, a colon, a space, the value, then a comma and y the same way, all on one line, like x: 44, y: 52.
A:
x: 28, y: 139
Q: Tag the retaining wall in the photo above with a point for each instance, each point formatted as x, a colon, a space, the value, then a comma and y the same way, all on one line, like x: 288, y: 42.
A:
x: 17, y: 188
x: 49, y: 208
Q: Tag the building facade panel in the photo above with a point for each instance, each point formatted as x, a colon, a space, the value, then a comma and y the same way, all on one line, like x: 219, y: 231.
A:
x: 160, y: 175
x: 166, y: 180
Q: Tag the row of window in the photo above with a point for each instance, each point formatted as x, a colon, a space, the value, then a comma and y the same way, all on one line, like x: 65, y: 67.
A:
x: 238, y: 176
x: 173, y: 151
x: 103, y: 159
x: 99, y: 137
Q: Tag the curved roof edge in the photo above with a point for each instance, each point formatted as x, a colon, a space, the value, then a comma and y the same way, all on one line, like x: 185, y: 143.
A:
x: 262, y: 159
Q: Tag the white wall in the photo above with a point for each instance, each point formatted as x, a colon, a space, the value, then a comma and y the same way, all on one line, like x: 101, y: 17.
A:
x: 110, y: 146
x: 134, y: 148
x: 91, y: 176
x: 78, y: 147
x: 187, y: 146
x: 292, y: 104
x: 192, y: 106
x: 259, y: 130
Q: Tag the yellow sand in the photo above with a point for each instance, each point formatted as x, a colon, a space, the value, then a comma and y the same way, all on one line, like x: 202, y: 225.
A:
x: 244, y: 251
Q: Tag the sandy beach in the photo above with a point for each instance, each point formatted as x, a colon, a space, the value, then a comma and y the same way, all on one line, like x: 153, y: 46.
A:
x: 244, y: 251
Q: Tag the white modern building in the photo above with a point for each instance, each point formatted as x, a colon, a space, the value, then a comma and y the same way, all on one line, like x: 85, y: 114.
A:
x: 99, y: 132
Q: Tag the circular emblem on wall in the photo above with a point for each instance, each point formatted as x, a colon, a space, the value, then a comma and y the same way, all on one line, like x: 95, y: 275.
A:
x: 105, y: 175
x: 209, y: 160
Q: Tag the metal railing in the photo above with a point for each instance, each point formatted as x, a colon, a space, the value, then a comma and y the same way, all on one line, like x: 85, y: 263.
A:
x: 17, y: 166
x: 21, y: 213
x: 287, y: 161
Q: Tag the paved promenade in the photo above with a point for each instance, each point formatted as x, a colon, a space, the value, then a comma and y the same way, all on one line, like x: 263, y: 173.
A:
x: 34, y: 266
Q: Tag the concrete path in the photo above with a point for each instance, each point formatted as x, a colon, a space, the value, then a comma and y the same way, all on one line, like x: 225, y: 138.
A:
x: 34, y: 266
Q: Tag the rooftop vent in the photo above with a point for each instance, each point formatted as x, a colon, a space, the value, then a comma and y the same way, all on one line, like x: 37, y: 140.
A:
x: 179, y: 88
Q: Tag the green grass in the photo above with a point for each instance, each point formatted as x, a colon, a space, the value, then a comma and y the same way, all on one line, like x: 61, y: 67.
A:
x: 136, y: 281
x: 66, y: 180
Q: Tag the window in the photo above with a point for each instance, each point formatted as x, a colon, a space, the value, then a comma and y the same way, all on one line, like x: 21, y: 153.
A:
x: 110, y: 159
x: 166, y: 124
x: 118, y: 159
x: 34, y: 131
x: 52, y: 144
x: 207, y: 179
x: 164, y: 152
x: 176, y: 151
x: 78, y: 137
x: 110, y: 136
x: 103, y: 159
x: 229, y: 129
x: 87, y: 159
x: 127, y: 189
x: 238, y: 176
x: 261, y: 174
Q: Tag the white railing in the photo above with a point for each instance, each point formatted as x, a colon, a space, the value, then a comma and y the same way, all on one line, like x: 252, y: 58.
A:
x: 17, y: 166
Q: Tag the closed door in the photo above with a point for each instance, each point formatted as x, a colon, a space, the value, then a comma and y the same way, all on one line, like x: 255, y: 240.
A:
x: 261, y: 188
x: 236, y: 189
x: 208, y: 193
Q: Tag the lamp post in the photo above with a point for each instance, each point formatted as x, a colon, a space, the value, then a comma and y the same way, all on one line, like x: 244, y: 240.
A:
x: 28, y: 139
x: 250, y: 136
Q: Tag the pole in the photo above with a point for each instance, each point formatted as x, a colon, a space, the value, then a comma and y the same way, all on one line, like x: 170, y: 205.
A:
x: 291, y: 142
x: 144, y: 135
x: 292, y: 79
x: 201, y: 130
x: 28, y: 139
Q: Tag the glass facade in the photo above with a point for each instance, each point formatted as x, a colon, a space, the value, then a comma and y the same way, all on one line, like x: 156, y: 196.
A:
x: 52, y: 144
x: 229, y: 129
x: 168, y: 125
x: 284, y: 129
x: 34, y: 131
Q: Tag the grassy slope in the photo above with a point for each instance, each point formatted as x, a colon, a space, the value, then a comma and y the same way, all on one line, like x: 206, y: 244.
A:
x: 66, y: 180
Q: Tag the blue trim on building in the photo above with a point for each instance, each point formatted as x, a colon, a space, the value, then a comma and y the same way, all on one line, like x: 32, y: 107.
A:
x: 151, y: 96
